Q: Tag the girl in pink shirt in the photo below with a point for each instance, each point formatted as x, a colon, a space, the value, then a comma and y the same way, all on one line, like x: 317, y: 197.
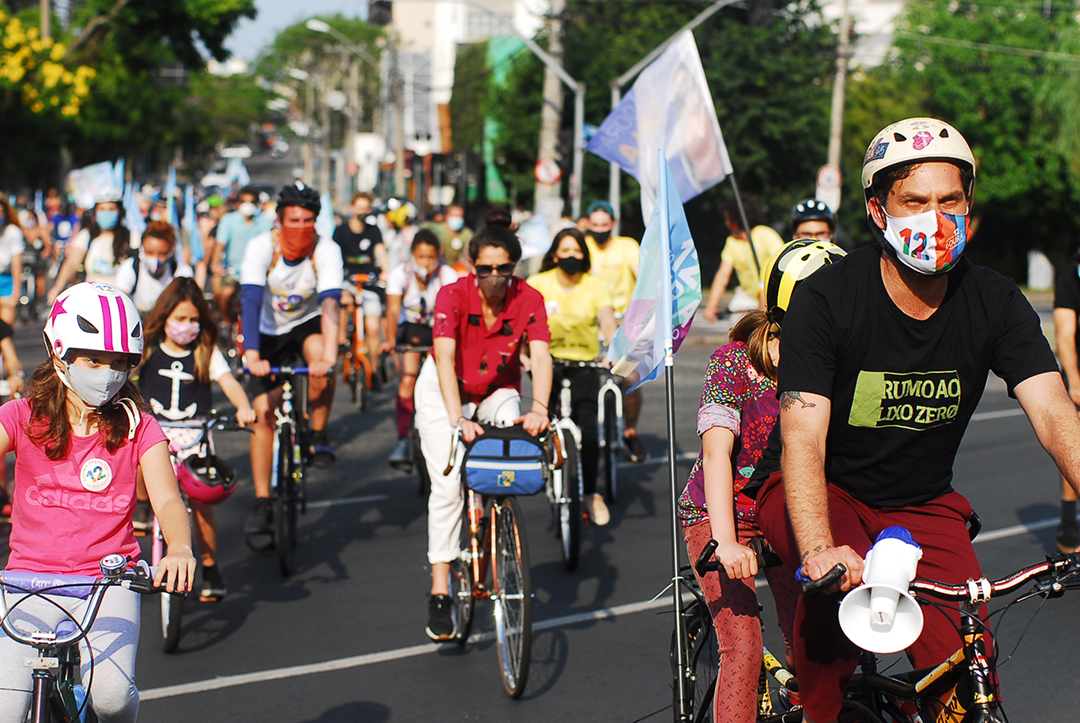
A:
x: 80, y: 439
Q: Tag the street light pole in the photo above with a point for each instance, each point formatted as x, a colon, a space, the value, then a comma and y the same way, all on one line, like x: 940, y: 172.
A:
x: 836, y: 123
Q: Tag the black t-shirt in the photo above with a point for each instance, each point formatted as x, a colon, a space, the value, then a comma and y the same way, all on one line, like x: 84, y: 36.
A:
x: 903, y: 390
x: 1067, y: 294
x: 172, y: 390
x: 358, y: 249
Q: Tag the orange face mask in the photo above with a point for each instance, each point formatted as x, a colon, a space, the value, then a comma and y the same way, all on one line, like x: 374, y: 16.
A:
x: 297, y: 243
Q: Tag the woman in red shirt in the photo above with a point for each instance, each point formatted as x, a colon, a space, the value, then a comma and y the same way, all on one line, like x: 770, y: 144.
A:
x: 474, y: 375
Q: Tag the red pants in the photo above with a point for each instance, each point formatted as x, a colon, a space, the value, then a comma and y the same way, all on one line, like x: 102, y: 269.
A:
x: 825, y: 659
x: 734, y: 607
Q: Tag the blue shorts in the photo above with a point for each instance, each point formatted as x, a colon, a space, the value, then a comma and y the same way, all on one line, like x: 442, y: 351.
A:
x: 7, y: 284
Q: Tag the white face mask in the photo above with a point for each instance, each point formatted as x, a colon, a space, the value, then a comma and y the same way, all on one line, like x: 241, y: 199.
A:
x: 248, y: 209
x: 930, y: 243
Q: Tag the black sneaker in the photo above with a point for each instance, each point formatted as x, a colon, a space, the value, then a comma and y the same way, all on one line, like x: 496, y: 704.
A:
x: 322, y: 454
x: 213, y: 586
x: 635, y: 448
x: 142, y: 519
x: 401, y: 456
x: 1067, y: 535
x: 261, y: 517
x: 440, y: 624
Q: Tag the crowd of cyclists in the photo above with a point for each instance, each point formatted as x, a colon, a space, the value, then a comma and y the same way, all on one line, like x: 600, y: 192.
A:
x: 138, y: 330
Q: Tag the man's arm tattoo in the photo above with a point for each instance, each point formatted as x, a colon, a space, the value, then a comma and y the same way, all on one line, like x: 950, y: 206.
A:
x: 788, y: 399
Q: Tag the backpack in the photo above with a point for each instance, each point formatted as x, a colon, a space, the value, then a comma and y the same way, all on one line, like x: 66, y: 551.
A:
x: 506, y: 461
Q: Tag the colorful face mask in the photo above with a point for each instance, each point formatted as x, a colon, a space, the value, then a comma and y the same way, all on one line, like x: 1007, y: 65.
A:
x: 930, y: 243
x: 297, y: 243
x: 182, y: 332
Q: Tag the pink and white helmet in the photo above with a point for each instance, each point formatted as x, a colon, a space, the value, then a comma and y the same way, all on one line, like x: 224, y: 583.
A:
x: 96, y: 317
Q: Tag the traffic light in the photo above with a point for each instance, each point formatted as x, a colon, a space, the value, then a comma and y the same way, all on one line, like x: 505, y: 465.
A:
x: 380, y: 12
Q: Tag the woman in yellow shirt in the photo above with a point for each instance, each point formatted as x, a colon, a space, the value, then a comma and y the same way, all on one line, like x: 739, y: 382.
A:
x: 578, y: 309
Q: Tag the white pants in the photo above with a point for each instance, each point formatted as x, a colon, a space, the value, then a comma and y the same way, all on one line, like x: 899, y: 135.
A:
x: 436, y: 431
x: 114, y: 639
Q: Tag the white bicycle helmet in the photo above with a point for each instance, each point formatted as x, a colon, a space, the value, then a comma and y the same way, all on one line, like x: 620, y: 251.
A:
x: 916, y: 140
x: 95, y: 317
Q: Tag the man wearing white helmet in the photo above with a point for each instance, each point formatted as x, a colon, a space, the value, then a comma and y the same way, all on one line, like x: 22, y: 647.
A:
x: 886, y: 356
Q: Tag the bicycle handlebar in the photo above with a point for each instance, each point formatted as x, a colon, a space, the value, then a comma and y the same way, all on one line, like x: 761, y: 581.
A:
x: 592, y: 364
x: 981, y: 590
x: 113, y: 568
x: 296, y: 371
x: 766, y: 556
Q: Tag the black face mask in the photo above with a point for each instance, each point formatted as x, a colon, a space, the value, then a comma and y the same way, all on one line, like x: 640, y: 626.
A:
x: 571, y: 265
x: 600, y: 237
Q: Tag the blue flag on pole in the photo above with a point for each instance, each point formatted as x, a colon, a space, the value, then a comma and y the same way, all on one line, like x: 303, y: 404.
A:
x: 668, y: 270
x: 190, y: 224
x: 133, y: 217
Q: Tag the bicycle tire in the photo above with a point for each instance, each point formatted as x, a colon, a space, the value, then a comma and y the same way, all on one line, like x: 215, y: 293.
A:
x: 610, y: 451
x: 361, y: 393
x: 512, y: 597
x: 464, y: 604
x: 172, y: 615
x: 568, y: 486
x: 282, y: 494
x: 704, y: 657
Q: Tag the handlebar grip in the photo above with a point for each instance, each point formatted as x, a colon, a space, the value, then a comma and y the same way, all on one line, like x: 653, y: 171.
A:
x: 816, y: 587
x: 705, y: 563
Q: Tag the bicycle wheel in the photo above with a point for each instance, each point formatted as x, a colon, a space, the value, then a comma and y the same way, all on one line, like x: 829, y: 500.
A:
x: 704, y: 657
x: 172, y: 606
x: 513, y: 597
x: 172, y: 613
x: 283, y: 494
x: 461, y: 594
x: 567, y: 488
x: 609, y: 449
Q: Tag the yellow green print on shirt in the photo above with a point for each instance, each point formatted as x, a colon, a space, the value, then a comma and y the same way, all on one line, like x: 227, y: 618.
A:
x: 909, y: 400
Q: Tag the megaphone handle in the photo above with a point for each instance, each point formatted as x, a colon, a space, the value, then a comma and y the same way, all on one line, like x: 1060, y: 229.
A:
x: 814, y: 587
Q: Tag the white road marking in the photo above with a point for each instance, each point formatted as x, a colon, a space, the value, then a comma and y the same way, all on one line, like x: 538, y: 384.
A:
x: 1000, y: 414
x: 346, y: 501
x: 356, y: 661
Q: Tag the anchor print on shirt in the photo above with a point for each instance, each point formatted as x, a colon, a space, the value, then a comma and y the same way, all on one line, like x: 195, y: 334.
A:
x: 177, y: 374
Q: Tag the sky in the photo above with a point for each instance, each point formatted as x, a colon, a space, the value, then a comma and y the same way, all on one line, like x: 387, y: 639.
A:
x: 251, y: 36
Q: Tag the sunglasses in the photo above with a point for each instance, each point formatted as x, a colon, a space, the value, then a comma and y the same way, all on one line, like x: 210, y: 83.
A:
x: 485, y: 270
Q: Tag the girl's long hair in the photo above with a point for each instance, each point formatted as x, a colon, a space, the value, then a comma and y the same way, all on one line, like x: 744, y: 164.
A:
x: 183, y: 288
x: 11, y: 218
x: 50, y: 427
x: 549, y: 261
x: 754, y: 330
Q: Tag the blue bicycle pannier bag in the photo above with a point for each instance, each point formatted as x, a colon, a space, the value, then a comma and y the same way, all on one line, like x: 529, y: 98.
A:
x: 504, y: 461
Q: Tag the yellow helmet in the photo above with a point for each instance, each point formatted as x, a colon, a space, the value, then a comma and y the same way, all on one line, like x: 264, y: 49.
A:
x: 792, y: 264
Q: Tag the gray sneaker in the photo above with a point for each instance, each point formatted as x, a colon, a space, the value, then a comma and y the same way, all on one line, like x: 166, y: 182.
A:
x: 402, y: 455
x: 260, y: 519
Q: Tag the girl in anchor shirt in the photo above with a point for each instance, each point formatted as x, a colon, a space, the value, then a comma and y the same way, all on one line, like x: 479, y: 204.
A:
x: 180, y: 361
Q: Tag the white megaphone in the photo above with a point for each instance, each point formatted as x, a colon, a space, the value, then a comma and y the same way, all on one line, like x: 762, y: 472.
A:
x: 881, y: 615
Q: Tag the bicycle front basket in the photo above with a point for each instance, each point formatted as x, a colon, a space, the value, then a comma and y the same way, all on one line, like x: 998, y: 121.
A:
x: 505, y: 461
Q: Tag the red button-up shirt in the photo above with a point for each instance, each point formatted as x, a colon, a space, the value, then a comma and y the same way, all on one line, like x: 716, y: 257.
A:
x: 489, y: 359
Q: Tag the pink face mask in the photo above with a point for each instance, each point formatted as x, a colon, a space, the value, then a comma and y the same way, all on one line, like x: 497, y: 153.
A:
x: 182, y: 332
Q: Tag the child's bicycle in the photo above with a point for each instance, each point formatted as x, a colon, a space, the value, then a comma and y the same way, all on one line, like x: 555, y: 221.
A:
x: 961, y: 689
x: 205, y: 478
x: 58, y: 692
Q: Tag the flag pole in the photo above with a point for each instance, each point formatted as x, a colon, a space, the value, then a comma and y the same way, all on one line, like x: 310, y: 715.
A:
x: 663, y: 325
x: 745, y: 223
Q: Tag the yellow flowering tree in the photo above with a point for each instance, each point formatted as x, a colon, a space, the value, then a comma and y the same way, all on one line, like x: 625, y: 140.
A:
x: 31, y: 67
